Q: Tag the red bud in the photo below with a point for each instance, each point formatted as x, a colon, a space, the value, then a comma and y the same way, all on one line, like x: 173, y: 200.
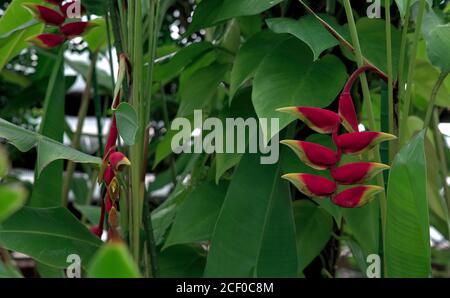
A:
x: 74, y: 29
x: 312, y: 185
x: 314, y: 155
x: 356, y: 173
x: 96, y: 230
x: 359, y: 142
x: 348, y: 113
x: 47, y: 40
x: 117, y: 160
x: 356, y: 196
x: 319, y: 120
x: 45, y: 14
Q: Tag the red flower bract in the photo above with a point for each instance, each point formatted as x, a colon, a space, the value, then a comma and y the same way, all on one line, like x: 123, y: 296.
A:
x: 45, y: 14
x: 320, y: 120
x: 312, y: 185
x: 74, y: 29
x: 117, y: 160
x: 348, y: 113
x: 358, y: 172
x: 316, y: 156
x: 356, y: 196
x: 358, y: 142
x: 47, y: 40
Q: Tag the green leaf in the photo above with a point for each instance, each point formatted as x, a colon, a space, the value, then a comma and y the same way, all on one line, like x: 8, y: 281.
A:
x: 127, y: 123
x: 308, y: 29
x: 82, y: 67
x: 48, y: 235
x: 97, y: 37
x: 181, y: 261
x: 425, y: 77
x: 96, y: 7
x: 289, y: 77
x: 372, y: 37
x: 438, y: 47
x: 255, y: 233
x: 12, y: 199
x: 407, y: 239
x: 241, y: 107
x: 250, y: 56
x: 197, y: 215
x: 403, y: 5
x: 47, y: 188
x: 211, y: 12
x: 48, y: 149
x: 15, y: 28
x: 113, y: 261
x: 198, y: 90
x: 4, y: 162
x: 314, y: 227
x: 92, y: 213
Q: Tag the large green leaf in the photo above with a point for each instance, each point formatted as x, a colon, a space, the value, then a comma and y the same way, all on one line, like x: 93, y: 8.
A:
x: 425, y: 77
x: 48, y: 149
x: 47, y: 189
x: 407, y: 239
x: 198, y: 90
x: 181, y: 261
x: 308, y: 29
x: 250, y: 55
x: 113, y: 261
x: 288, y: 76
x: 16, y: 25
x: 48, y: 235
x: 403, y: 5
x: 314, y: 227
x: 197, y: 215
x: 255, y: 233
x: 210, y: 12
x: 127, y: 123
x: 438, y: 47
x: 11, y: 199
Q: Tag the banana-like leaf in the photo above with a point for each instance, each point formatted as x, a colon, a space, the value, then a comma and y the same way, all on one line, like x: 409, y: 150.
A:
x: 48, y: 150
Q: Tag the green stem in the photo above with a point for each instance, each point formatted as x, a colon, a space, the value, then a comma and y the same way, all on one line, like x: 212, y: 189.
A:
x: 77, y: 134
x: 151, y: 248
x: 390, y: 71
x: 368, y: 101
x: 411, y: 68
x: 433, y: 98
x: 167, y: 124
x: 401, y: 69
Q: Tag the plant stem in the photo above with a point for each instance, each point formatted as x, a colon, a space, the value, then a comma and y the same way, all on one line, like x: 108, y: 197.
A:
x: 368, y: 101
x: 403, y: 54
x: 167, y: 124
x: 411, y: 68
x: 151, y: 249
x: 432, y: 103
x: 77, y: 134
x: 390, y: 72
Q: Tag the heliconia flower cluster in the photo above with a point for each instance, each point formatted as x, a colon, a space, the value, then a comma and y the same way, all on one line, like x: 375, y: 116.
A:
x: 56, y: 17
x: 322, y: 158
x: 113, y: 163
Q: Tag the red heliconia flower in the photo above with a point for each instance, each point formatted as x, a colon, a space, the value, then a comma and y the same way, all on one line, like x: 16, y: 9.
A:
x: 320, y: 120
x: 356, y: 196
x: 74, y: 29
x: 348, y: 113
x: 356, y: 173
x: 359, y: 142
x: 47, y: 40
x: 45, y: 14
x: 314, y: 155
x: 117, y: 160
x: 96, y: 230
x: 312, y: 185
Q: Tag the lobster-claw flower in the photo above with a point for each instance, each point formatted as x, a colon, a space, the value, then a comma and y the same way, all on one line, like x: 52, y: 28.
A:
x: 47, y: 40
x: 359, y: 142
x: 357, y: 196
x: 312, y: 185
x: 45, y: 14
x: 117, y: 161
x: 347, y: 112
x: 320, y: 120
x: 314, y: 155
x: 74, y: 29
x: 357, y: 173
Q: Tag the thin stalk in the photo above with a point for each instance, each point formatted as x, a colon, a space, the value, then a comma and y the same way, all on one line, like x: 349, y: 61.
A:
x: 331, y: 7
x: 368, y: 101
x: 433, y: 98
x: 390, y: 72
x: 150, y: 247
x: 411, y: 68
x: 108, y: 39
x: 167, y: 124
x: 98, y: 112
x: 77, y: 134
x: 403, y: 54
